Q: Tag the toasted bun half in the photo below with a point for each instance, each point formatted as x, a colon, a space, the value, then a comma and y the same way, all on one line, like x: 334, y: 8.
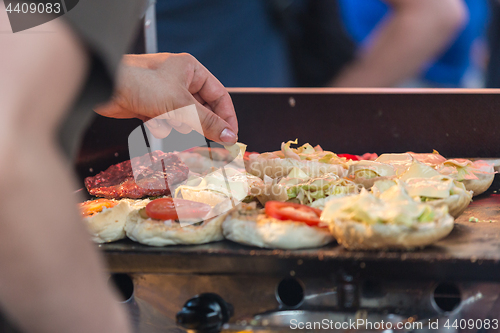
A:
x: 479, y: 177
x: 266, y: 232
x: 108, y: 225
x: 479, y: 185
x: 280, y: 167
x: 359, y: 236
x: 457, y: 203
x: 163, y: 233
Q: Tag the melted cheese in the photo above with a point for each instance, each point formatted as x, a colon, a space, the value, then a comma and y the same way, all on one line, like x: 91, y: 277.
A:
x: 437, y: 187
x: 380, y: 169
x: 419, y: 170
x: 401, y: 162
x: 234, y: 186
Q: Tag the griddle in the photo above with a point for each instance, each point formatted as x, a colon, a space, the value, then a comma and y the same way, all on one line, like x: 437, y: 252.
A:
x: 470, y: 252
x: 455, y: 122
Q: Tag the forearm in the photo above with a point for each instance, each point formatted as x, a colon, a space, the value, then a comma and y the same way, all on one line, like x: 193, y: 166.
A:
x: 413, y: 35
x: 51, y: 279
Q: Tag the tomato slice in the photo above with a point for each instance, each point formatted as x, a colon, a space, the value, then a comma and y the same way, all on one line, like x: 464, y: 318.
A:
x: 89, y: 208
x: 172, y: 209
x: 295, y: 212
x: 349, y: 157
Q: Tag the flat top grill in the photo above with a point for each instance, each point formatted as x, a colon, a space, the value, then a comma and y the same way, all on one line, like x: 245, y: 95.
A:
x: 471, y: 251
x: 456, y: 123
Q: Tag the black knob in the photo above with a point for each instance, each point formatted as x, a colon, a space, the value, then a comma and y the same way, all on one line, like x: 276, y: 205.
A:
x: 205, y: 313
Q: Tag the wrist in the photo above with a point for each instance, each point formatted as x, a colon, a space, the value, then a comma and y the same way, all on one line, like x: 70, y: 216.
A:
x: 145, y: 61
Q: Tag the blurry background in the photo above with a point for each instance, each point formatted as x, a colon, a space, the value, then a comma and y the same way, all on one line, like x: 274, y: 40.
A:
x: 348, y: 43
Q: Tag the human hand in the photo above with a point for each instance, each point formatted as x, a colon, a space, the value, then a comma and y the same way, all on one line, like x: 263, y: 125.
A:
x: 152, y: 85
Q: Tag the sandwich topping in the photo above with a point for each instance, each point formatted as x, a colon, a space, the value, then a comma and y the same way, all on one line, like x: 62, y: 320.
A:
x: 175, y: 209
x: 305, y: 152
x: 393, y: 206
x: 286, y: 211
x: 89, y: 208
x: 307, y: 190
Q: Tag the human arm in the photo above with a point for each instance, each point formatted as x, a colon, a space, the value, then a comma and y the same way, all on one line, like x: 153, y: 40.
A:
x: 153, y: 84
x: 415, y: 33
x: 52, y: 278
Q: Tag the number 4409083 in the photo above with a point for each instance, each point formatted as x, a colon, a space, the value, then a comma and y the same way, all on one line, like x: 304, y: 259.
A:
x: 40, y: 8
x: 472, y: 324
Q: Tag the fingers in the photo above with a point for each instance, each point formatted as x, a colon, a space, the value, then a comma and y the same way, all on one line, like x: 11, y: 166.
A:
x: 168, y: 83
x: 198, y: 98
x: 205, y: 86
x: 158, y: 127
x: 214, y: 127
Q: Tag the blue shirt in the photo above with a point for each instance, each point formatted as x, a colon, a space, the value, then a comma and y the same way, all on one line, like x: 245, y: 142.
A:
x: 361, y: 16
x: 235, y: 40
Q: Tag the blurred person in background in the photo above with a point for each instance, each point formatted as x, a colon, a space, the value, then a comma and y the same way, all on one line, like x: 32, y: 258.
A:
x: 493, y: 69
x: 236, y: 40
x: 459, y: 64
x: 244, y: 45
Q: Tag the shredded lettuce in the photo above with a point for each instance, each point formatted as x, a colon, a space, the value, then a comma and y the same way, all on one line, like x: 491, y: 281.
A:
x: 308, y: 153
x: 458, y: 184
x: 306, y: 149
x: 327, y: 158
x: 427, y: 199
x: 427, y: 215
x: 394, y: 206
x: 459, y: 169
x: 289, y: 152
x: 319, y: 188
x: 462, y: 173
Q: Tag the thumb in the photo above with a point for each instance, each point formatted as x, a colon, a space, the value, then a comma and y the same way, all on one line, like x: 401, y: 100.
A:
x: 214, y: 127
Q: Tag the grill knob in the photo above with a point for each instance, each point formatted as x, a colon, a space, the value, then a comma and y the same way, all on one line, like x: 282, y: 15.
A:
x: 205, y: 313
